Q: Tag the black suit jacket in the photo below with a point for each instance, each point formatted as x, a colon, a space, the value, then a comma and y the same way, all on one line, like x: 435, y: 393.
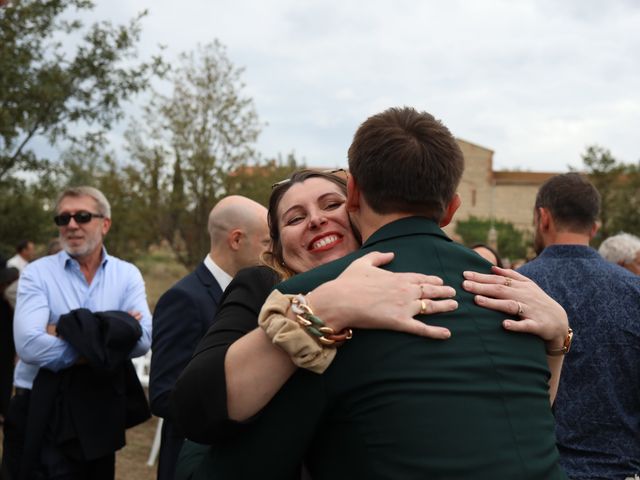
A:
x: 181, y: 318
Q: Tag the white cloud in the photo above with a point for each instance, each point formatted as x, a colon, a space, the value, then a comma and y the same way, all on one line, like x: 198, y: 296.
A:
x: 536, y: 80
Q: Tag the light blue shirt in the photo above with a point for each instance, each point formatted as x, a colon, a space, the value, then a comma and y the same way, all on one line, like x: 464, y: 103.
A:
x: 53, y: 286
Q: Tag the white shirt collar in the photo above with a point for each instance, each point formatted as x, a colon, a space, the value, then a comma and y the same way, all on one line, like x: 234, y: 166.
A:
x: 222, y: 277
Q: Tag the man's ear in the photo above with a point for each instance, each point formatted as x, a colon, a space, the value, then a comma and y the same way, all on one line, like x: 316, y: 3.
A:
x: 453, y: 206
x: 233, y: 239
x: 353, y: 195
x: 106, y: 225
x: 594, y: 230
x: 544, y: 219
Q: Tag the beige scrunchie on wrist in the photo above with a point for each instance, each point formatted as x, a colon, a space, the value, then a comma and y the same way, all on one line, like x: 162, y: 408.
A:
x: 304, y: 351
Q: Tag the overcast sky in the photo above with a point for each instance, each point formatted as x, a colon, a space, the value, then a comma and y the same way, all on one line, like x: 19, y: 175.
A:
x: 534, y: 81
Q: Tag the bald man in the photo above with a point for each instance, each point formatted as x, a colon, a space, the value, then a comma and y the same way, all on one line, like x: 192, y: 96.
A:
x: 239, y: 234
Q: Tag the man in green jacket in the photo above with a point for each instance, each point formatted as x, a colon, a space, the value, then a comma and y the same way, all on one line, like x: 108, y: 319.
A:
x: 393, y: 405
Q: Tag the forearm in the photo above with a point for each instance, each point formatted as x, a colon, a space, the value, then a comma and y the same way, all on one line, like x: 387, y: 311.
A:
x: 555, y: 361
x: 255, y: 370
x: 47, y: 351
x: 555, y: 366
x: 137, y: 302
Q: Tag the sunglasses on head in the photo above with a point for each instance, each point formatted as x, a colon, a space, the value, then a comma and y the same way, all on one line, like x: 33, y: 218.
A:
x: 80, y: 217
x: 338, y: 172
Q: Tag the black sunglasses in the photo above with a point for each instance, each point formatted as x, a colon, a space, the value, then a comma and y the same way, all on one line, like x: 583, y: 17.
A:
x: 338, y: 172
x: 80, y: 217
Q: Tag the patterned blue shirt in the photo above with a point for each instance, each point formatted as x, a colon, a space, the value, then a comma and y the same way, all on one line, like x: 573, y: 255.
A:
x: 597, y: 409
x: 53, y: 286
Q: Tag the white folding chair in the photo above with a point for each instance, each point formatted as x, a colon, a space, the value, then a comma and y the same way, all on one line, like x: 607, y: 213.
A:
x: 155, y: 447
x: 142, y: 365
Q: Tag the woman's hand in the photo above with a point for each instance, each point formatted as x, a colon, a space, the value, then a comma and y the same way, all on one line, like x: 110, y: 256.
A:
x: 512, y: 293
x: 365, y: 296
x: 541, y: 315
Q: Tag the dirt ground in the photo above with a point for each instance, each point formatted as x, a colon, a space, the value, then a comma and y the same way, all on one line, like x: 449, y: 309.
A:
x: 131, y: 461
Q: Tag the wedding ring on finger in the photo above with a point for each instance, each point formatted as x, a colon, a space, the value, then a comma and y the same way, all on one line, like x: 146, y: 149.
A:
x: 520, y: 309
x: 507, y: 282
x: 423, y: 307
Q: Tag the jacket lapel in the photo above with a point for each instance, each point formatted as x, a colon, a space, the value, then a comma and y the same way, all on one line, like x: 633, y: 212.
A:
x: 210, y: 283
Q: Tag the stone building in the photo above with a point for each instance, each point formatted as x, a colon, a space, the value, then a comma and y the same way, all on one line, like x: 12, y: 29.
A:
x: 503, y: 195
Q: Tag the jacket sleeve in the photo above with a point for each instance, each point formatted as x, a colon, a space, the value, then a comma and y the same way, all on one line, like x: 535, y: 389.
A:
x: 177, y: 328
x: 199, y: 399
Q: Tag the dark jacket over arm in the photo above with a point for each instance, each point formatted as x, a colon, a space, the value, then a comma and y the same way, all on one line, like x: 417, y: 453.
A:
x: 199, y: 399
x: 89, y: 406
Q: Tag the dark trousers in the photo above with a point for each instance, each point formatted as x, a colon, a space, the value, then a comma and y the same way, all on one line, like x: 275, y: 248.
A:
x: 15, y: 426
x: 7, y: 355
x: 54, y: 464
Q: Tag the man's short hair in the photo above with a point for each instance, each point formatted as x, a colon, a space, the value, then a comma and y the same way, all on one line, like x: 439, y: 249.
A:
x: 406, y: 161
x: 104, y: 208
x: 22, y: 245
x: 574, y: 203
x: 620, y: 249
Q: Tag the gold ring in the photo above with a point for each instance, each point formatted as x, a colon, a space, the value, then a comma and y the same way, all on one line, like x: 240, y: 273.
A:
x: 423, y: 307
x: 507, y: 282
x: 520, y: 309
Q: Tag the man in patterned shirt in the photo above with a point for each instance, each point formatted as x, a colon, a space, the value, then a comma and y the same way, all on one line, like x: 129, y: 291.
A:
x: 597, y: 408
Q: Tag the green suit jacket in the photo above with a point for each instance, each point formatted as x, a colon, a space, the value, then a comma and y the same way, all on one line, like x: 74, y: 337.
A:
x: 398, y: 406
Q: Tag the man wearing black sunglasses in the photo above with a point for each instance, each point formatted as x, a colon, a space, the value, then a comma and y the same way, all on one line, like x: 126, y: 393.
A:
x: 81, y: 276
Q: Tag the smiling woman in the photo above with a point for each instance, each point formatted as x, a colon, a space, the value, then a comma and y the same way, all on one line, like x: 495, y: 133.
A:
x: 312, y: 225
x: 308, y: 226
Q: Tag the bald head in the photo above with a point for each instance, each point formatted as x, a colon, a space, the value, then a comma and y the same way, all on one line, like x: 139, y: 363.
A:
x: 238, y: 231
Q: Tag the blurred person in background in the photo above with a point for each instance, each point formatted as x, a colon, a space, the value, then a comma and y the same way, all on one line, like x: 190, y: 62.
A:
x: 624, y: 250
x: 8, y: 275
x: 488, y: 253
x: 77, y: 284
x: 597, y: 409
x: 239, y: 234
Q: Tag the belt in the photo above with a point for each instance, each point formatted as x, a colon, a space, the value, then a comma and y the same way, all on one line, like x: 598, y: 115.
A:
x: 22, y: 391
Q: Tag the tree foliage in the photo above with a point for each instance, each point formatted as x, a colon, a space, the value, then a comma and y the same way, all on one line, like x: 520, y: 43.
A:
x: 190, y: 141
x: 25, y: 214
x: 57, y: 93
x: 66, y: 83
x: 256, y: 181
x: 619, y: 186
x: 512, y: 243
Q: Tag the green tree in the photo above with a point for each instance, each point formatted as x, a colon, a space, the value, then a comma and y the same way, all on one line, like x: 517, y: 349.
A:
x: 511, y: 241
x: 191, y: 140
x: 619, y: 186
x: 57, y: 93
x: 25, y: 213
x: 256, y: 181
